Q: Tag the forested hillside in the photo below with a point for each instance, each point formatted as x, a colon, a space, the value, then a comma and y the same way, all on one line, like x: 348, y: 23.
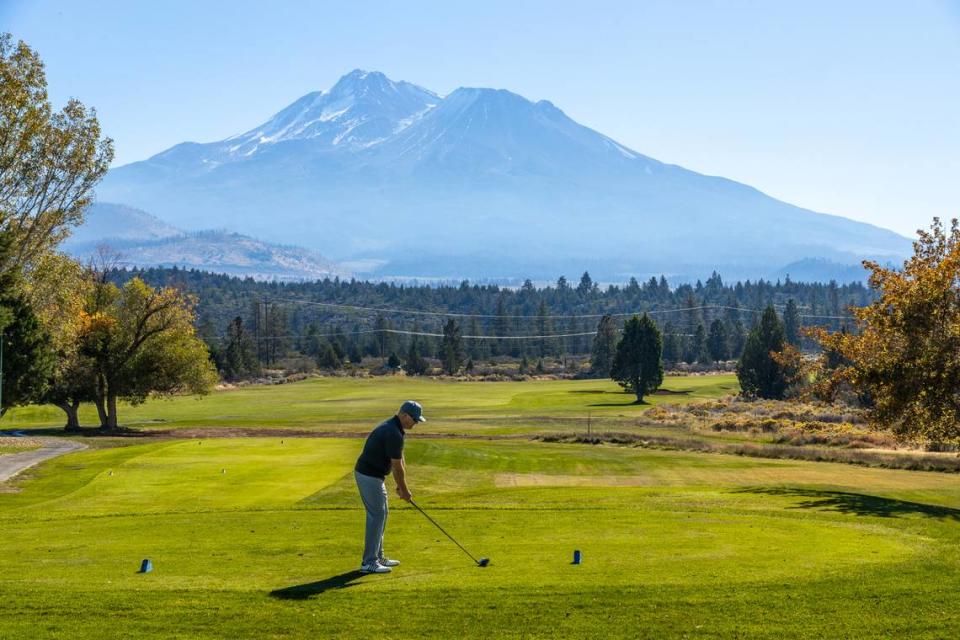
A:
x: 703, y: 322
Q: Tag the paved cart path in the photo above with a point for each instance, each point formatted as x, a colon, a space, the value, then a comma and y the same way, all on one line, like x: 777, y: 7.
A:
x: 14, y: 463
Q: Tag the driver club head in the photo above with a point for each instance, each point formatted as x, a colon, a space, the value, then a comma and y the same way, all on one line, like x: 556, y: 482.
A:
x: 483, y: 562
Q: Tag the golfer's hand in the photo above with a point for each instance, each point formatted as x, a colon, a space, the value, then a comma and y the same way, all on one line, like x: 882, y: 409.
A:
x: 404, y: 494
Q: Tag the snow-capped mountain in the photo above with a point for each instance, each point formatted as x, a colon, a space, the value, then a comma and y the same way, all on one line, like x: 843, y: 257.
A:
x: 480, y: 182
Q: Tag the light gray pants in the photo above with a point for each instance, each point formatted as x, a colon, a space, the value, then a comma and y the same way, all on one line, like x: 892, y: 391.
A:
x: 374, y: 495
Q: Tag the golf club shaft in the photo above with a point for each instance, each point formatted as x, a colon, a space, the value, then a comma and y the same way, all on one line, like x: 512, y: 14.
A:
x: 427, y: 516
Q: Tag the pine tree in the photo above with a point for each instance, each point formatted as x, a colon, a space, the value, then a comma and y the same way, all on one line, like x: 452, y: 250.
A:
x: 717, y: 341
x: 545, y: 346
x: 586, y: 286
x: 453, y: 355
x: 327, y: 356
x: 415, y: 364
x: 638, y: 364
x: 478, y: 349
x: 791, y: 323
x: 239, y: 357
x: 672, y: 348
x: 501, y: 327
x: 760, y: 374
x: 604, y: 347
x: 700, y: 351
x: 696, y: 346
x: 28, y: 360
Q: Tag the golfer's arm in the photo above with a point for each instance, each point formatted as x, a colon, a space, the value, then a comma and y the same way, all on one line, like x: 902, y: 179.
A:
x: 399, y: 473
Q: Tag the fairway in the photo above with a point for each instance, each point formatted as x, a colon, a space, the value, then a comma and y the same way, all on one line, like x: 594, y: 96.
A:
x: 353, y: 404
x: 260, y: 538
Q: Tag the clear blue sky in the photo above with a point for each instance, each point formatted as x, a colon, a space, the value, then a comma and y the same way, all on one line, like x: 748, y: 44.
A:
x: 848, y: 107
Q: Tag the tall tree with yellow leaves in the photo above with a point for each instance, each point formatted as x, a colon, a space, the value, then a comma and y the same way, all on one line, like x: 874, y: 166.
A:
x: 905, y: 354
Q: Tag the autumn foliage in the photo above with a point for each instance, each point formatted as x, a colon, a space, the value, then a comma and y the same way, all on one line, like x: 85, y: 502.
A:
x: 904, y: 356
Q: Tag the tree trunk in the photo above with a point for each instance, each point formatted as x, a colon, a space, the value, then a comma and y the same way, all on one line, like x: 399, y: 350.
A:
x: 101, y: 393
x: 101, y: 411
x: 73, y: 419
x: 111, y: 410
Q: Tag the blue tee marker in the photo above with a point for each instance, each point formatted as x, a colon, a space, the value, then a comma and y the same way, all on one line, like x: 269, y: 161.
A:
x: 577, y: 558
x: 146, y: 566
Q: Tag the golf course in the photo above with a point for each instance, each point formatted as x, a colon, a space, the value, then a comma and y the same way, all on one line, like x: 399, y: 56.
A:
x: 258, y: 536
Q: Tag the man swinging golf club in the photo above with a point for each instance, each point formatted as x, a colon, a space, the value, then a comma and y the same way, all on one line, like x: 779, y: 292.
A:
x: 383, y: 453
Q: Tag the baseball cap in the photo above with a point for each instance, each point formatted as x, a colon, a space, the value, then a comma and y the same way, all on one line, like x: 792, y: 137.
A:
x: 413, y: 409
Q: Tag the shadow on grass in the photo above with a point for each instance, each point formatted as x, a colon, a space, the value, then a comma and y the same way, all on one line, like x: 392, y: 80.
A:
x: 634, y: 403
x: 857, y: 503
x: 310, y: 589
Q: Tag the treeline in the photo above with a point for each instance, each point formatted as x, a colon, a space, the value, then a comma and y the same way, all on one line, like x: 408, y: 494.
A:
x: 250, y: 324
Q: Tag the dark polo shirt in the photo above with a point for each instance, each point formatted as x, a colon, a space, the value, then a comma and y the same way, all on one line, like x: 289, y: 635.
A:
x: 385, y: 443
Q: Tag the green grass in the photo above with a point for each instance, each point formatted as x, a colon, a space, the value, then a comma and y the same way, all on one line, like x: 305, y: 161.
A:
x: 346, y: 404
x: 256, y: 538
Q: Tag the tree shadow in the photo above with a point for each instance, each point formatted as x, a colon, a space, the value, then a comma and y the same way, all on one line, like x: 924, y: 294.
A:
x: 634, y: 403
x: 857, y: 503
x: 310, y: 589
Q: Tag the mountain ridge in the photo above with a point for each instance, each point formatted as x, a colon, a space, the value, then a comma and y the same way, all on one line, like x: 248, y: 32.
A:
x: 143, y: 240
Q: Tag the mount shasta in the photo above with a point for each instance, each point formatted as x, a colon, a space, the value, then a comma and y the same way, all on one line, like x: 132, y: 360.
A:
x: 391, y: 179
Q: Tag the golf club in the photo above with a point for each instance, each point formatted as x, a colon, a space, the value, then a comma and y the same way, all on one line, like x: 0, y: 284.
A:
x: 482, y: 562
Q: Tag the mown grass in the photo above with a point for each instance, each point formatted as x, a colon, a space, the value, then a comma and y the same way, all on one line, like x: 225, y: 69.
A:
x: 259, y: 538
x: 347, y: 404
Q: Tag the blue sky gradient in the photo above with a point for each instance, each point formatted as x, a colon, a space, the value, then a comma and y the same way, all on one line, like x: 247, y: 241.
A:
x: 848, y: 107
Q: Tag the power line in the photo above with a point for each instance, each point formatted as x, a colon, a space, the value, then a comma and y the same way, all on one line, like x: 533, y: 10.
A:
x: 442, y: 314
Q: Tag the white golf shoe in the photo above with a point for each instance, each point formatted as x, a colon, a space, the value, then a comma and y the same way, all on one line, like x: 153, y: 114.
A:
x: 376, y: 567
x: 387, y: 562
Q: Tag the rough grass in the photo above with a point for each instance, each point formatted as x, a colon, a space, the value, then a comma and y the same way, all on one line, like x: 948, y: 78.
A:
x: 674, y: 544
x: 9, y: 444
x: 890, y: 459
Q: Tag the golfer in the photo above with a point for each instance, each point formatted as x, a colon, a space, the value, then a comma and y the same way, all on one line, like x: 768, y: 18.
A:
x: 383, y: 453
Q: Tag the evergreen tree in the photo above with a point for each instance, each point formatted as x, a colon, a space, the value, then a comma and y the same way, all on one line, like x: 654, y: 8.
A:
x: 239, y: 357
x: 453, y: 355
x: 384, y: 338
x: 759, y: 373
x: 415, y: 364
x: 355, y: 346
x: 604, y: 347
x: 393, y: 362
x: 28, y: 360
x: 501, y: 327
x: 696, y: 347
x: 586, y: 286
x: 700, y: 345
x: 524, y: 366
x: 327, y: 357
x: 545, y: 346
x: 791, y: 323
x: 717, y: 341
x: 672, y: 348
x: 638, y: 366
x: 477, y: 349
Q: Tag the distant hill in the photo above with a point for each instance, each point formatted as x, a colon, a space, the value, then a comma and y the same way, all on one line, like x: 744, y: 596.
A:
x: 820, y: 270
x: 143, y: 240
x: 480, y: 183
